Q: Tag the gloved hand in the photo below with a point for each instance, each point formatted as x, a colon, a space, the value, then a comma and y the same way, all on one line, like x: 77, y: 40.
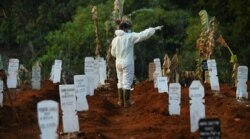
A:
x: 158, y: 27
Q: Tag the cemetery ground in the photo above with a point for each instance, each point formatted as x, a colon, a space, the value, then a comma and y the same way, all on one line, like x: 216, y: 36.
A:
x: 147, y: 118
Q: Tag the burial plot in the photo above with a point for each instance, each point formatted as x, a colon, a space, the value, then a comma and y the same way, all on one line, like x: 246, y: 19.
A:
x: 157, y: 72
x: 174, y: 99
x: 242, y: 77
x: 81, y: 83
x: 1, y: 93
x: 68, y: 106
x: 209, y: 128
x: 36, y: 77
x: 89, y: 72
x: 48, y: 119
x: 162, y: 83
x: 212, y: 71
x: 197, y: 108
x: 12, y: 73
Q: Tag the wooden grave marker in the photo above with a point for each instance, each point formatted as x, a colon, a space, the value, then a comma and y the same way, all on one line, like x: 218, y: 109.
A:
x: 151, y: 69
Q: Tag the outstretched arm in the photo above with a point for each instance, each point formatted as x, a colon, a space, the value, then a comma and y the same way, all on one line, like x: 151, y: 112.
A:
x: 143, y: 35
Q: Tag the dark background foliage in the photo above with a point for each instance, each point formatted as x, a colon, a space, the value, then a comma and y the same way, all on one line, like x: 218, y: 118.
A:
x: 61, y: 29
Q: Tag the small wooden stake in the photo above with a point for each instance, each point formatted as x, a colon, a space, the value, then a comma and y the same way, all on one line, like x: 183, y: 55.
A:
x: 3, y: 77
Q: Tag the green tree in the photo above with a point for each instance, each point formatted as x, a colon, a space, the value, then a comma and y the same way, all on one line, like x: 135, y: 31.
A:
x: 75, y: 40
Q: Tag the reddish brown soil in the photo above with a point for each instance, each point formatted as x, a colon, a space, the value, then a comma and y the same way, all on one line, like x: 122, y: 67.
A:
x: 148, y: 118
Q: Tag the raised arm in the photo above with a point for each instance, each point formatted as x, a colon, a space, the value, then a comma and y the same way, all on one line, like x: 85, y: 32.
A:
x: 145, y: 34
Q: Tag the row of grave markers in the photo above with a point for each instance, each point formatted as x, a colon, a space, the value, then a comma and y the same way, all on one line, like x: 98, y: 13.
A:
x: 69, y: 94
x: 95, y: 74
x: 12, y: 73
x: 73, y: 100
x: 155, y: 70
x: 48, y: 110
x: 72, y: 97
x: 155, y: 74
x: 208, y: 127
x: 196, y: 94
x: 197, y: 108
x: 94, y: 69
x: 12, y: 77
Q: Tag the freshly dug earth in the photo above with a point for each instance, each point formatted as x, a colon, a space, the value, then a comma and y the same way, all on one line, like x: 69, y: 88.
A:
x: 147, y: 118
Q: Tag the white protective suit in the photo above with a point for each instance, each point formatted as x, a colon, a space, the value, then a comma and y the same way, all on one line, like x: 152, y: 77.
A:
x: 123, y: 50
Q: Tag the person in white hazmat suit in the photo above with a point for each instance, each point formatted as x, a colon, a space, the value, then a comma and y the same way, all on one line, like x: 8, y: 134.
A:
x: 123, y: 50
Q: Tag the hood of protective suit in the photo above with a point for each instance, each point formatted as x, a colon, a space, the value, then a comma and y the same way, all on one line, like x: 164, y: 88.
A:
x: 119, y: 32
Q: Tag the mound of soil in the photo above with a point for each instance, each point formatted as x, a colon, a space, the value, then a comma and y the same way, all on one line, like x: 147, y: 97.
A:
x: 147, y: 118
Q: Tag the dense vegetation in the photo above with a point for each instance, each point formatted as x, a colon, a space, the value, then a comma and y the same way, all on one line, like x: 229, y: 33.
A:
x: 63, y: 29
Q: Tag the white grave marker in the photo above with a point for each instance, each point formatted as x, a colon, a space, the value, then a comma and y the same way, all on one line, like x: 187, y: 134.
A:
x: 162, y: 83
x: 36, y: 76
x: 12, y: 73
x: 57, y: 69
x: 197, y: 108
x: 242, y: 77
x: 157, y: 73
x: 102, y: 71
x: 81, y: 83
x: 174, y: 99
x: 1, y: 93
x: 68, y: 106
x: 96, y: 73
x: 89, y: 72
x: 52, y: 73
x: 212, y: 71
x: 48, y: 118
x: 157, y: 62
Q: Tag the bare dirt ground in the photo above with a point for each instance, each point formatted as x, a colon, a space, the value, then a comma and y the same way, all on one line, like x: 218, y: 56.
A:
x: 148, y: 118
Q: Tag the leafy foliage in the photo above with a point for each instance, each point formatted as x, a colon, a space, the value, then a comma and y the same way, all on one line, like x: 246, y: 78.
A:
x: 61, y: 29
